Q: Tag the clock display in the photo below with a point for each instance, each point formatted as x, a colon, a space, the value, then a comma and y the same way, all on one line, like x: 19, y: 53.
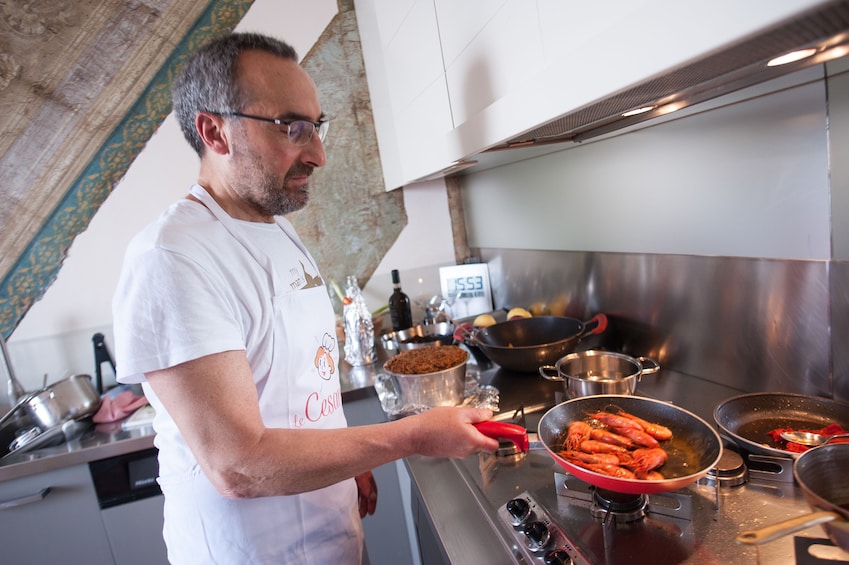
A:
x: 466, y: 289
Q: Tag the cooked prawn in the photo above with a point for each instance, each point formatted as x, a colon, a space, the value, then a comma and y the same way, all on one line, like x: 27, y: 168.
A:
x: 578, y: 457
x: 657, y: 431
x: 577, y: 432
x: 595, y: 446
x: 644, y: 460
x: 639, y: 437
x: 607, y: 436
x: 614, y: 421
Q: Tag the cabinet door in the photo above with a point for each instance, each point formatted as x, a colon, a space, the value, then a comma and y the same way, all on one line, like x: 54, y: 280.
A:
x: 135, y: 532
x: 52, y: 517
x: 388, y: 531
x: 406, y: 78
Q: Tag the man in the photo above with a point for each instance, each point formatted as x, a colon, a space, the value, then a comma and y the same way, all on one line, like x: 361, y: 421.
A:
x: 222, y: 314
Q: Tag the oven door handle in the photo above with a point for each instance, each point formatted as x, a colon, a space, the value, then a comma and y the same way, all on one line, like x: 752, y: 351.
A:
x: 24, y: 500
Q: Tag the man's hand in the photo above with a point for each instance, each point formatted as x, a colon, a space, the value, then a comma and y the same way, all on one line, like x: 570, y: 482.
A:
x: 366, y: 493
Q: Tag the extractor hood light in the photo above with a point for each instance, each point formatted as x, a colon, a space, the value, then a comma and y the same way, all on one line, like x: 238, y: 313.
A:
x: 834, y: 53
x: 671, y: 107
x: 638, y: 111
x: 792, y: 57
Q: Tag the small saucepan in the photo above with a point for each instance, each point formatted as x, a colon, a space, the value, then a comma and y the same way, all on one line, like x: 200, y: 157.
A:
x: 587, y: 373
x: 73, y: 398
x: 821, y: 474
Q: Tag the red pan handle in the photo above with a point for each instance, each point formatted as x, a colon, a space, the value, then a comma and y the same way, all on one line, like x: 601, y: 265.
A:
x: 507, y: 431
x: 600, y: 321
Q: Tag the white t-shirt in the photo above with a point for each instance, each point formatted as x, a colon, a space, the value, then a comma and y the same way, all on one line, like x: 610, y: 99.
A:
x: 188, y: 289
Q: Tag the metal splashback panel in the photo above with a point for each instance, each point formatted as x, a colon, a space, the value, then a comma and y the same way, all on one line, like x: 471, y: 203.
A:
x: 749, y: 324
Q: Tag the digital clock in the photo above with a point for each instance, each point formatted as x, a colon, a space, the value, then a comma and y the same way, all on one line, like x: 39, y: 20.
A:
x: 466, y: 289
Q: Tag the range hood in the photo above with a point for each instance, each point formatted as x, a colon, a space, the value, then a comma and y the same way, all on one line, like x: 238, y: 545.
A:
x: 824, y: 30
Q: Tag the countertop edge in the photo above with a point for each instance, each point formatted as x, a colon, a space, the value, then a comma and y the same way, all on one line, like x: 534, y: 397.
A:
x: 76, y: 455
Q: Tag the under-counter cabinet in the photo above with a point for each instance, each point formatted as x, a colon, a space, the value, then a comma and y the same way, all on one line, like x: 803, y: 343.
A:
x: 389, y: 534
x: 57, y: 517
x: 52, y: 517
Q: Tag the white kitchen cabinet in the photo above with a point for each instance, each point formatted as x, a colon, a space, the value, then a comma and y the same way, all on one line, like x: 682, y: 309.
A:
x: 451, y: 79
x: 571, y: 54
x: 403, y: 60
x: 52, y: 517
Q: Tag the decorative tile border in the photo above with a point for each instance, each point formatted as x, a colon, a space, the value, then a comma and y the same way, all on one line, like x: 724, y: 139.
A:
x: 39, y: 264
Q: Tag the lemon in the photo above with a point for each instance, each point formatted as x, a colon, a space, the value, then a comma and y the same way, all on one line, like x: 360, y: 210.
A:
x: 539, y: 309
x: 518, y: 313
x: 483, y: 321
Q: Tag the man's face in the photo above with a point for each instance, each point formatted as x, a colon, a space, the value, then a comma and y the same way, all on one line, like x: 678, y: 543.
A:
x: 268, y: 172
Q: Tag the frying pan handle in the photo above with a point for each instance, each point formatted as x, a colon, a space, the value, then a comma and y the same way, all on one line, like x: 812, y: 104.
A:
x: 505, y: 430
x: 597, y: 323
x: 787, y: 527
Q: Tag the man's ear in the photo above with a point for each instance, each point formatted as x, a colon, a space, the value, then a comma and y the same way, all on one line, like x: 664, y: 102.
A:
x: 210, y: 127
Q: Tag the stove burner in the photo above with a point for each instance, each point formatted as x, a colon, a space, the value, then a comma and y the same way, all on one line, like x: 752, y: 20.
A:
x: 620, y: 507
x: 623, y: 507
x: 508, y: 453
x: 730, y: 471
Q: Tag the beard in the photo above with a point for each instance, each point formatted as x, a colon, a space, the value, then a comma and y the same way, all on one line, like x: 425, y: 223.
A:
x: 265, y: 191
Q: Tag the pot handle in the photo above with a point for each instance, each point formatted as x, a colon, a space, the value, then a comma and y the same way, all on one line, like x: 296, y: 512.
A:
x: 21, y: 401
x: 787, y: 527
x: 544, y: 371
x: 505, y: 430
x: 464, y: 333
x: 653, y: 366
x: 595, y: 325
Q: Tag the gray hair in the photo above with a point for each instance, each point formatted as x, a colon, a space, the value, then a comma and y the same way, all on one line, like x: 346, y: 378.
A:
x: 207, y: 80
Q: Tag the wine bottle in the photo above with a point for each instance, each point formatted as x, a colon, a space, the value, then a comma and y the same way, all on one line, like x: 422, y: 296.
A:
x: 399, y: 305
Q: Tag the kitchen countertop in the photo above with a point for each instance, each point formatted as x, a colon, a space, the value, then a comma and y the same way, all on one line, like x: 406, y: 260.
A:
x: 101, y: 441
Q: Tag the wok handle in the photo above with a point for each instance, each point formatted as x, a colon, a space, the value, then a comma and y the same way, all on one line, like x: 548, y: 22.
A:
x: 781, y: 529
x: 505, y: 430
x: 600, y: 324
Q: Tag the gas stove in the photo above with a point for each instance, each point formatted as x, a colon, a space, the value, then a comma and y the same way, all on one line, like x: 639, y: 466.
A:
x: 545, y: 515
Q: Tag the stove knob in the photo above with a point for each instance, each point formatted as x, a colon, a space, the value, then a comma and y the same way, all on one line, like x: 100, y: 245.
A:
x: 519, y: 511
x: 557, y: 557
x: 538, y: 536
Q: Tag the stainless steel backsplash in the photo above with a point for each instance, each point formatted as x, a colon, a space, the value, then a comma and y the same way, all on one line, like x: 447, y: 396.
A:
x: 747, y: 323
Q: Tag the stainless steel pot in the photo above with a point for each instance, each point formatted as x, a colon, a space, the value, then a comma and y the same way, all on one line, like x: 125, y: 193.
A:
x: 592, y: 372
x: 73, y: 398
x: 440, y: 388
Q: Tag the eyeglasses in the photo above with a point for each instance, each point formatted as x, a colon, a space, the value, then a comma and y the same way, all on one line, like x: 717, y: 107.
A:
x: 299, y: 132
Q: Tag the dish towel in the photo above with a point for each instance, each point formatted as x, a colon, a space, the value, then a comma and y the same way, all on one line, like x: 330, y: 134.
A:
x: 118, y: 407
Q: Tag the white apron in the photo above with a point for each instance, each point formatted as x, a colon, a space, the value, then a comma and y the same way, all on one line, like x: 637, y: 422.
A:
x: 302, y: 391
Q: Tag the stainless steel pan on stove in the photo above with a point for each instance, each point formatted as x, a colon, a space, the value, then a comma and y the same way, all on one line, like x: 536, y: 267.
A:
x: 821, y: 474
x: 747, y: 419
x: 694, y: 449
